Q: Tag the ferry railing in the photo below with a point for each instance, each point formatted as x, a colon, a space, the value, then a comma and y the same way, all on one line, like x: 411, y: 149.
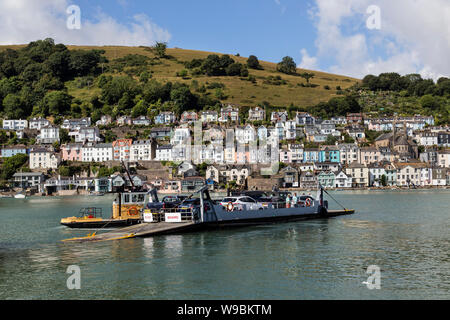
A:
x: 271, y: 205
x: 186, y: 215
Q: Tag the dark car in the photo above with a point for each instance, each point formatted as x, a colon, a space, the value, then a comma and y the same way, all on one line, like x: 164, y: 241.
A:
x: 172, y: 201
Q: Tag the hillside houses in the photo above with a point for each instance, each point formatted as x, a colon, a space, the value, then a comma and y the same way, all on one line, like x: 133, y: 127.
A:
x: 407, y: 152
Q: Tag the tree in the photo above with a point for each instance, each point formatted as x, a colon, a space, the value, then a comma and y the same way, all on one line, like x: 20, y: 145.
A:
x: 253, y: 63
x: 11, y: 165
x: 307, y: 76
x: 13, y: 106
x: 160, y: 49
x: 287, y: 65
x: 64, y: 136
x: 56, y: 103
x: 383, y: 180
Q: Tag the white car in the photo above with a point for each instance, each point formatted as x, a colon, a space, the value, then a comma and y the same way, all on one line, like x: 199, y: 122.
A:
x: 241, y: 203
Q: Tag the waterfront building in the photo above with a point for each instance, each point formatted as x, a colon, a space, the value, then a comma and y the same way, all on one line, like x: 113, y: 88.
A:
x: 42, y: 158
x: 359, y: 174
x: 308, y: 180
x: 326, y: 179
x: 391, y: 174
x: 376, y: 173
x: 409, y: 174
x: 29, y: 180
x: 291, y: 177
x: 342, y: 180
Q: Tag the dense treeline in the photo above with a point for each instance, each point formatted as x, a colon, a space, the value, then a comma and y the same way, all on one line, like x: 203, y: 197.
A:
x: 32, y: 78
x: 411, y: 84
x: 33, y: 82
x: 214, y: 65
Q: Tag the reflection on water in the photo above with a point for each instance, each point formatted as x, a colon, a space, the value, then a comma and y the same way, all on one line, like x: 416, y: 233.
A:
x: 405, y: 233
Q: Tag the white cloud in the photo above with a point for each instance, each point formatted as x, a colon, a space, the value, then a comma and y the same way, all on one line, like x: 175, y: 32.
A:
x: 22, y: 21
x: 414, y: 37
x: 307, y: 62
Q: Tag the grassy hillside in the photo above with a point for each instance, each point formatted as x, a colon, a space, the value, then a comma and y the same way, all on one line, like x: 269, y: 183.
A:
x: 236, y: 90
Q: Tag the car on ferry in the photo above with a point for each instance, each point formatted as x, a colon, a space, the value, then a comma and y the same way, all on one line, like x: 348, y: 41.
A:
x: 172, y: 201
x: 241, y: 203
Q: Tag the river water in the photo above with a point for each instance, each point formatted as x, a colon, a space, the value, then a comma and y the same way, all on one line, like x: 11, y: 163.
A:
x: 404, y: 233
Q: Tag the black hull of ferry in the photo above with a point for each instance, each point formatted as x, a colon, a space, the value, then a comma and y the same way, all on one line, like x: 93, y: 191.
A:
x: 102, y: 224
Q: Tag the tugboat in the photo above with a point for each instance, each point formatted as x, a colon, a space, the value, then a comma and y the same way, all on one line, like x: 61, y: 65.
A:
x: 126, y: 210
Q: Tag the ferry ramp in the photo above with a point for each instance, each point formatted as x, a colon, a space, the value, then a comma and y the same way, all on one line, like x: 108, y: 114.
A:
x: 139, y: 230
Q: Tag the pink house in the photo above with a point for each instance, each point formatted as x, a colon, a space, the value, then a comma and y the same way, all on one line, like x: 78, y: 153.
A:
x: 71, y: 152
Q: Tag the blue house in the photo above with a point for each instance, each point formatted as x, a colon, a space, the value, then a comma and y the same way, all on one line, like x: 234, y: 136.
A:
x: 329, y: 154
x: 311, y: 155
x: 11, y: 151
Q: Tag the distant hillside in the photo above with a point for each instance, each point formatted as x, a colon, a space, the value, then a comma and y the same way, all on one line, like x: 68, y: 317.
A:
x: 266, y: 87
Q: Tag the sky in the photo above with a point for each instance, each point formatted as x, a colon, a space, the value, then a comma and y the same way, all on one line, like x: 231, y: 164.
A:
x: 347, y: 37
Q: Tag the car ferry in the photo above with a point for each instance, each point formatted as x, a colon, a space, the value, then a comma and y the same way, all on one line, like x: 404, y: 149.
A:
x: 201, y: 212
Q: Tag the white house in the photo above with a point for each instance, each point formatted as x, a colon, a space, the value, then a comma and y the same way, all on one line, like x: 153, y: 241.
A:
x: 38, y: 123
x: 163, y: 153
x: 143, y: 150
x: 100, y: 152
x: 42, y: 158
x: 48, y: 135
x: 209, y: 116
x: 86, y: 134
x: 16, y: 125
x: 342, y: 180
x: 180, y: 136
x: 290, y: 129
x: 76, y: 124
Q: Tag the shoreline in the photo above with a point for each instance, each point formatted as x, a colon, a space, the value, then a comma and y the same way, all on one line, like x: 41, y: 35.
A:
x: 8, y: 195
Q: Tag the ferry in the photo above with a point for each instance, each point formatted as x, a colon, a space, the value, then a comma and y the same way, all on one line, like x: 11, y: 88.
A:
x: 202, y: 212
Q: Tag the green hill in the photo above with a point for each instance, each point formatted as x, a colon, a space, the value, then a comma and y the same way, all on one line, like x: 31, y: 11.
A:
x: 265, y: 86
